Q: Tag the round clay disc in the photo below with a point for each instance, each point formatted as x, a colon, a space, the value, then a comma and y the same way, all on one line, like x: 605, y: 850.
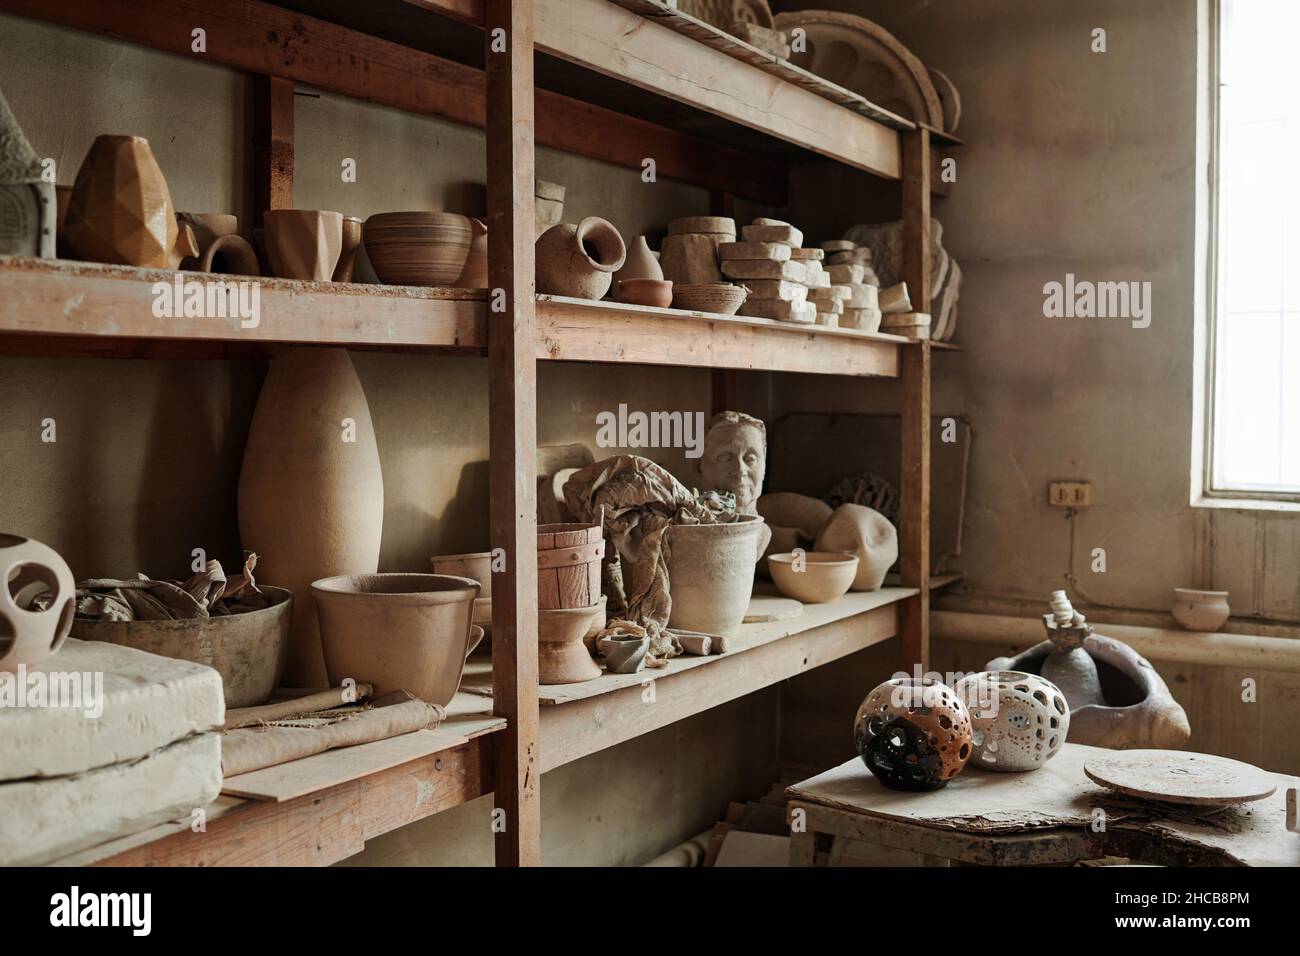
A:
x: 763, y: 607
x: 1173, y: 776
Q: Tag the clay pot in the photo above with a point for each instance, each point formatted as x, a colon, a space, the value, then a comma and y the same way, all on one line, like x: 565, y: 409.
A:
x: 1200, y: 610
x: 248, y: 650
x: 824, y: 576
x: 656, y: 293
x: 711, y: 573
x: 562, y: 657
x: 407, y: 632
x: 121, y: 210
x: 37, y: 577
x: 310, y: 504
x: 640, y: 263
x: 348, y: 250
x: 1018, y: 720
x: 475, y: 273
x: 721, y: 298
x: 303, y: 243
x: 623, y: 653
x: 579, y: 261
x: 863, y: 531
x: 418, y: 248
x: 913, y: 734
x: 477, y: 566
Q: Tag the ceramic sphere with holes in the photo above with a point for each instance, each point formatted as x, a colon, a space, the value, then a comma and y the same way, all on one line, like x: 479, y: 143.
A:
x: 36, y: 604
x: 1019, y: 720
x: 913, y: 734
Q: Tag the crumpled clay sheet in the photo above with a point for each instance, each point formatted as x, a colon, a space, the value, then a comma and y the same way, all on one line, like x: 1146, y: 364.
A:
x: 206, y: 594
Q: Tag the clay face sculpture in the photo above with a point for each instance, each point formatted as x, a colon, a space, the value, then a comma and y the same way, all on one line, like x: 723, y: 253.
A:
x: 1018, y: 720
x: 37, y: 599
x: 579, y: 261
x: 867, y: 533
x: 303, y: 243
x: 121, y: 210
x: 28, y: 205
x: 735, y: 458
x: 913, y: 734
x: 1200, y: 610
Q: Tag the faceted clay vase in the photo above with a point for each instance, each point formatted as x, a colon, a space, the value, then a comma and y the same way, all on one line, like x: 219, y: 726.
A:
x: 121, y: 209
x: 579, y: 261
x: 867, y: 533
x: 311, y: 493
x: 1018, y: 720
x: 37, y: 601
x: 303, y: 243
x: 913, y: 734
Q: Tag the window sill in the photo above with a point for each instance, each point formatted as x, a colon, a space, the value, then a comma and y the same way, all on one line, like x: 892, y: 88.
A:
x: 1245, y: 504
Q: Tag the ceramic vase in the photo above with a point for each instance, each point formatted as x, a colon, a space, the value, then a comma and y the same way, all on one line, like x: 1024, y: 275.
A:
x: 1200, y: 610
x: 580, y: 260
x: 37, y: 605
x: 475, y: 273
x: 640, y: 263
x: 348, y: 250
x: 121, y: 209
x: 1018, y: 720
x: 867, y: 533
x: 913, y: 734
x: 311, y: 493
x: 303, y: 243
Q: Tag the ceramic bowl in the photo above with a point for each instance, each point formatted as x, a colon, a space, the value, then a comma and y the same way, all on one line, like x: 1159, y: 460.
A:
x: 657, y: 293
x: 722, y: 298
x: 1200, y: 610
x: 476, y: 565
x: 397, y: 631
x: 248, y: 650
x: 826, y: 575
x: 417, y: 248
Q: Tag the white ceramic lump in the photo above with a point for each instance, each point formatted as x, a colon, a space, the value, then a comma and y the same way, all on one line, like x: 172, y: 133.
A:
x: 1018, y: 720
x: 32, y: 571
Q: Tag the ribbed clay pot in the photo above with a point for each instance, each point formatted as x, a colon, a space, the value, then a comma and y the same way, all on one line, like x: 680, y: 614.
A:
x: 418, y: 248
x: 579, y: 261
x: 311, y: 501
x: 711, y: 573
x: 36, y: 577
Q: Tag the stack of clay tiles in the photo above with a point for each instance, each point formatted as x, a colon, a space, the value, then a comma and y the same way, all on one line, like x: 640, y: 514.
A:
x: 765, y: 261
x: 848, y: 266
x: 689, y: 254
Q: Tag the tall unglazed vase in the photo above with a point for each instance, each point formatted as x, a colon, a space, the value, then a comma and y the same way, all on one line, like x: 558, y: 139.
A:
x: 311, y: 493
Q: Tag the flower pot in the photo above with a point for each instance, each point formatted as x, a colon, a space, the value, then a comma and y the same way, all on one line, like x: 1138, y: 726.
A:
x: 711, y: 573
x: 407, y: 632
x: 580, y: 260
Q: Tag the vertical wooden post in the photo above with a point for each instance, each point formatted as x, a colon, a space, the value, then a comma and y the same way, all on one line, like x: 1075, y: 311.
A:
x: 272, y: 144
x: 914, y: 524
x: 512, y: 396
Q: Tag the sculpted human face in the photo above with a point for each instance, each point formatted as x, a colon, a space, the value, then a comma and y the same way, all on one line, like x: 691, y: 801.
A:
x: 735, y: 460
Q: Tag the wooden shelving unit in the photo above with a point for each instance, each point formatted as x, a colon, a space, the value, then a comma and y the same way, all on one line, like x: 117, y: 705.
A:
x: 506, y: 730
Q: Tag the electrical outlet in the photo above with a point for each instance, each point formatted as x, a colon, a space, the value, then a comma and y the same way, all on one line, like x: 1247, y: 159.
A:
x: 1069, y: 494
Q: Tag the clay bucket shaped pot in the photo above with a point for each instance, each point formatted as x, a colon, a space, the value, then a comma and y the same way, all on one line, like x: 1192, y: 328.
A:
x: 407, y: 632
x: 711, y: 573
x: 248, y: 650
x: 579, y: 261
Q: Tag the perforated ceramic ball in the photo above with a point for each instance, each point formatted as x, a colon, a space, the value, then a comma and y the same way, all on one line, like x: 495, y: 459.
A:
x: 913, y: 734
x: 34, y: 574
x: 1019, y: 720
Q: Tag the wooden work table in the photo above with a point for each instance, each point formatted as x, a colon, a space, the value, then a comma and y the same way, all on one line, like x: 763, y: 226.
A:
x: 1053, y: 816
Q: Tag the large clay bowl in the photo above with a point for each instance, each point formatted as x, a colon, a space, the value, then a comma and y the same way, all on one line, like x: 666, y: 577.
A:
x: 418, y: 248
x: 407, y: 632
x: 824, y: 576
x: 248, y: 650
x: 711, y: 573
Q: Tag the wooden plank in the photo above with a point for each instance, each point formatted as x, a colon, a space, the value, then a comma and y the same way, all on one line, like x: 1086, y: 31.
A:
x: 618, y: 43
x: 512, y: 396
x: 264, y: 39
x: 917, y: 170
x: 273, y: 134
x: 579, y: 330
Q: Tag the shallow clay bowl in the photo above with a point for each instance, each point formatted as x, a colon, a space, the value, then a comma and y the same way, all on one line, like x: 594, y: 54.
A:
x: 826, y: 575
x: 407, y: 632
x: 657, y: 293
x: 417, y: 248
x: 248, y: 650
x: 722, y: 298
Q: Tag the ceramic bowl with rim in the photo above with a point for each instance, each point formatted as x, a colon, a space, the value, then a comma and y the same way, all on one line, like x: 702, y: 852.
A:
x: 722, y: 298
x: 657, y: 293
x: 417, y: 248
x: 822, y: 576
x: 1200, y: 610
x: 407, y: 632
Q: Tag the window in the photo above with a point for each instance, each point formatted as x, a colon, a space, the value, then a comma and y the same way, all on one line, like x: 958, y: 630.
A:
x: 1253, y: 439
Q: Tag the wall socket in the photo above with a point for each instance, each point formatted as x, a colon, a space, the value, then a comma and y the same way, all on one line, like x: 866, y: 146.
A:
x: 1069, y: 494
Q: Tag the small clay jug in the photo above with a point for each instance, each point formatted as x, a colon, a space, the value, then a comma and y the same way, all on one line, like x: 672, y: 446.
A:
x: 579, y: 261
x: 121, y: 209
x: 640, y: 263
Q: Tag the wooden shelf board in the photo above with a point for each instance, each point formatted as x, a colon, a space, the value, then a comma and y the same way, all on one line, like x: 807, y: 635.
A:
x: 937, y: 581
x: 580, y: 719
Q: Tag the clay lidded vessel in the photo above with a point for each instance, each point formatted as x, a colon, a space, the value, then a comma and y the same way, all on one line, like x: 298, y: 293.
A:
x: 580, y: 260
x: 37, y: 601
